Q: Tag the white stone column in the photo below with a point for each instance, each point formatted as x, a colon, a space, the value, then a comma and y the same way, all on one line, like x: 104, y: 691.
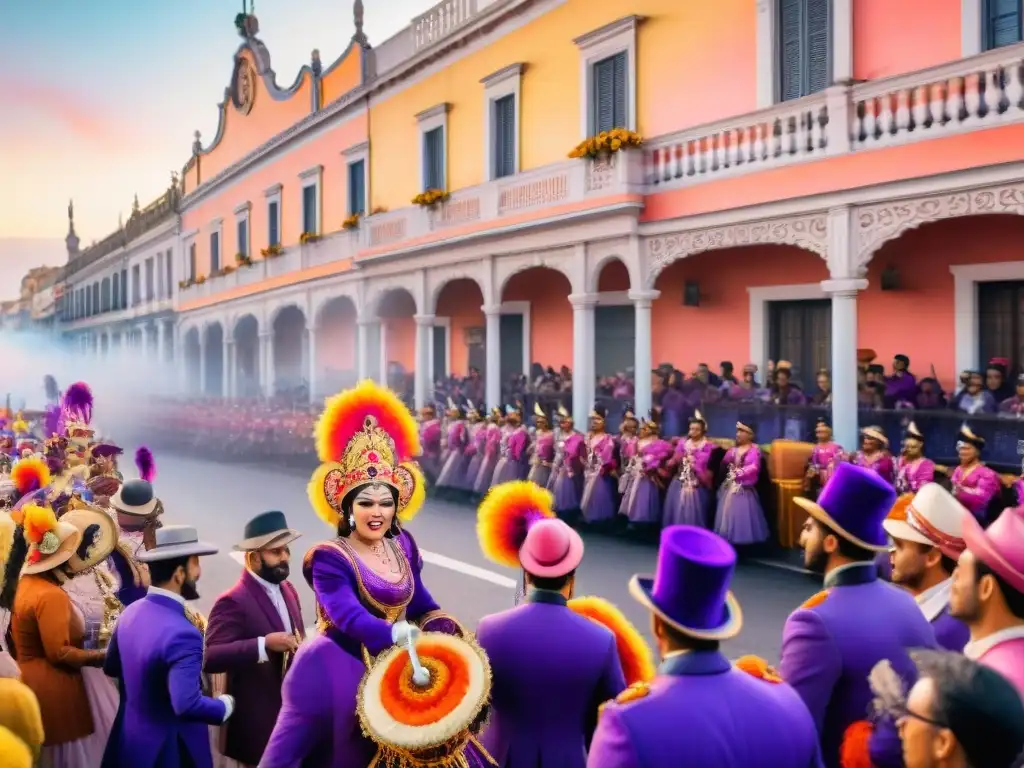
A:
x: 266, y: 363
x: 363, y: 347
x: 642, y: 363
x: 227, y: 354
x: 583, y: 363
x: 492, y: 350
x: 202, y: 362
x: 313, y: 364
x: 842, y: 41
x: 421, y: 377
x: 161, y: 342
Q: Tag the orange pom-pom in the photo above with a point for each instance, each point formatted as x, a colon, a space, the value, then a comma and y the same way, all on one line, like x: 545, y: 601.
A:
x: 345, y: 414
x: 30, y: 474
x: 815, y: 600
x: 855, y: 751
x: 37, y: 522
x: 634, y: 653
x: 899, y: 509
x: 506, y: 514
x: 759, y: 668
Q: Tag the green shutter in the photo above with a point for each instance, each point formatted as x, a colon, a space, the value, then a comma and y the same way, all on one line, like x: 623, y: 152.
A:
x: 503, y: 150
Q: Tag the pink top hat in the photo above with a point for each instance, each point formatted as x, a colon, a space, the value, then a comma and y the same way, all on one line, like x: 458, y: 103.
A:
x: 551, y: 549
x: 1001, y: 546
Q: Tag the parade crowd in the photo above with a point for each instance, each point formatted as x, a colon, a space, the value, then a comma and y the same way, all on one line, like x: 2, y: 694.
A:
x: 104, y: 662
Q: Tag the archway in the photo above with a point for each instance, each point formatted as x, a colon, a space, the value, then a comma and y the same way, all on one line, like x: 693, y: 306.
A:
x: 536, y: 323
x: 214, y: 362
x: 396, y: 308
x: 247, y: 357
x: 336, y: 332
x: 614, y: 323
x: 460, y: 335
x: 290, y: 350
x: 192, y: 352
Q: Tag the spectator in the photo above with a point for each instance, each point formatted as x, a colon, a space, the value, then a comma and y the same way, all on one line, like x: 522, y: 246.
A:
x: 974, y: 398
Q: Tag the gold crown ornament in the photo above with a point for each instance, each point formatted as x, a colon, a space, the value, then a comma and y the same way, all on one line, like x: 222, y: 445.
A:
x: 364, y: 436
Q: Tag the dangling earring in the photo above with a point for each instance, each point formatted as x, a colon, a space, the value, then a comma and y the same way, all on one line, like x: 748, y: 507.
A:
x: 351, y: 522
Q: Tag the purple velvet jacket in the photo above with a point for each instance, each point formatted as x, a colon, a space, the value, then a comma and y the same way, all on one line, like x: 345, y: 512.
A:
x: 239, y: 618
x: 163, y: 717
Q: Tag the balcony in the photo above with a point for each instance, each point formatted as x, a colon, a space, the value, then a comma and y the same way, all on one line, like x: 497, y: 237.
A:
x: 971, y: 94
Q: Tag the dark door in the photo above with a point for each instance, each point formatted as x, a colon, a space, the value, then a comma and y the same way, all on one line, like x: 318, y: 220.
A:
x: 512, y: 342
x: 614, y: 339
x: 475, y: 350
x: 1001, y: 323
x: 801, y: 332
x: 440, y: 352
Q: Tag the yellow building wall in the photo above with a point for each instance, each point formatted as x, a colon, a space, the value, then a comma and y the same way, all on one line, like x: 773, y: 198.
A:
x: 695, y: 64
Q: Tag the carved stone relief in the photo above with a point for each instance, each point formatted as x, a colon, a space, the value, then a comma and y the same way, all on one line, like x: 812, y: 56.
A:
x: 808, y: 232
x: 878, y: 224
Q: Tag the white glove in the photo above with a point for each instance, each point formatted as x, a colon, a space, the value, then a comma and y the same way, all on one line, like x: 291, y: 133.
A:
x: 229, y: 705
x: 402, y: 632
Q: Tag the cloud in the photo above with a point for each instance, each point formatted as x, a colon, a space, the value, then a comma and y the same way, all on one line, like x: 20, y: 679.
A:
x: 65, y: 108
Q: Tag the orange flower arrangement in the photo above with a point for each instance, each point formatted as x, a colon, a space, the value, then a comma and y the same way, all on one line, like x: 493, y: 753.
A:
x: 308, y: 237
x: 759, y: 668
x: 410, y: 705
x: 634, y: 653
x: 271, y: 251
x: 607, y: 143
x: 428, y: 198
x: 351, y: 222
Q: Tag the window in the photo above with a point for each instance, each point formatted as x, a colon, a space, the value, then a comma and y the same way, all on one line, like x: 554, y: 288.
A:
x: 214, y: 252
x: 192, y: 262
x: 357, y: 187
x: 136, y: 285
x: 149, y: 279
x: 1001, y: 323
x: 801, y: 332
x: 242, y: 226
x: 169, y: 265
x: 273, y: 197
x: 608, y: 98
x: 88, y: 302
x: 115, y: 290
x: 433, y: 159
x: 159, y: 264
x: 1001, y: 23
x: 504, y: 137
x: 124, y: 289
x: 309, y: 209
x: 96, y: 298
x: 105, y: 295
x: 805, y: 42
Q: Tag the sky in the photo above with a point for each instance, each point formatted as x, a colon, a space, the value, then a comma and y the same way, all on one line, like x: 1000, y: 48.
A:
x: 99, y: 98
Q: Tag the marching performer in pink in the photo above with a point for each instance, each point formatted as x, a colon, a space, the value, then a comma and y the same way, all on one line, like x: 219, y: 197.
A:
x: 874, y: 453
x: 454, y: 457
x: 567, y: 473
x: 475, y: 445
x: 913, y: 469
x: 642, y: 505
x: 688, y: 499
x: 542, y: 455
x: 824, y: 457
x: 514, y: 449
x: 740, y: 519
x: 492, y: 448
x: 628, y: 447
x: 974, y: 484
x: 599, y: 502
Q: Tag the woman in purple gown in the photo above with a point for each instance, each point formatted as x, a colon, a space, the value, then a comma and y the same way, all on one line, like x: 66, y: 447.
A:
x: 688, y: 499
x: 599, y: 502
x: 513, y: 461
x: 474, y: 450
x: 566, y: 483
x: 454, y: 459
x: 628, y: 441
x: 642, y: 505
x: 543, y: 454
x: 367, y: 580
x: 740, y: 519
x: 492, y: 447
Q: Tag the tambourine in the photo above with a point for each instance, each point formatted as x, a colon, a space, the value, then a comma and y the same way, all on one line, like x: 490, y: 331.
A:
x: 419, y: 703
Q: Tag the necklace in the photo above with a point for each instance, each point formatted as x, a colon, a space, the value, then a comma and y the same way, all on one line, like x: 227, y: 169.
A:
x: 380, y: 551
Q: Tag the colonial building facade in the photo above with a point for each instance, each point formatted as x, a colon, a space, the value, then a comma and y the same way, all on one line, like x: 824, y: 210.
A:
x: 815, y: 176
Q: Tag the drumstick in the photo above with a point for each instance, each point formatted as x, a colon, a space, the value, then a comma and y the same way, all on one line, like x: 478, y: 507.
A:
x: 420, y: 674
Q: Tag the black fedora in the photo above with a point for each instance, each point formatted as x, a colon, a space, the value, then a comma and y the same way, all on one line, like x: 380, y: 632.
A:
x: 135, y: 497
x: 265, y: 529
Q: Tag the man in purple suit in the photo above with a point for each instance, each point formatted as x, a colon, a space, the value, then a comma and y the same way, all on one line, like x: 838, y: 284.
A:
x: 156, y: 653
x: 701, y: 710
x: 552, y: 668
x: 253, y: 630
x: 926, y: 546
x: 831, y: 643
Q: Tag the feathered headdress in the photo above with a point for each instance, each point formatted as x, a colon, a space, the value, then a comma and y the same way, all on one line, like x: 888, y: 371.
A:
x: 145, y: 464
x: 53, y: 423
x: 40, y: 527
x: 366, y: 435
x: 30, y: 474
x: 20, y: 426
x: 77, y: 408
x: 634, y: 653
x: 505, y: 516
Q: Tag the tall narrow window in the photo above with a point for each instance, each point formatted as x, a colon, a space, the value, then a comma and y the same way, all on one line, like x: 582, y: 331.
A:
x: 309, y: 216
x: 150, y: 279
x: 1002, y: 23
x: 214, y: 252
x: 503, y: 122
x: 433, y: 159
x: 115, y: 285
x: 136, y: 285
x: 124, y: 288
x: 192, y: 265
x: 609, y: 98
x: 169, y: 264
x: 243, y: 236
x: 805, y: 42
x: 357, y: 187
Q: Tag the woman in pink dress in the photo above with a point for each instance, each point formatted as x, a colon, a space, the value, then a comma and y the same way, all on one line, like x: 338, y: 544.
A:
x: 628, y: 448
x: 492, y: 448
x: 542, y: 454
x: 913, y: 468
x: 642, y: 506
x: 740, y: 519
x: 566, y: 483
x: 688, y: 499
x: 474, y: 450
x: 600, y: 501
x: 874, y: 453
x: 974, y: 484
x: 824, y: 457
x: 454, y: 457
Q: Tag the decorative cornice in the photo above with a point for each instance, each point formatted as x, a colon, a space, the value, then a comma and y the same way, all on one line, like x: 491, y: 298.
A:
x: 312, y: 173
x: 357, y: 149
x: 243, y: 208
x: 438, y: 110
x: 505, y: 73
x: 217, y: 223
x: 608, y: 31
x: 185, y: 236
x: 274, y: 189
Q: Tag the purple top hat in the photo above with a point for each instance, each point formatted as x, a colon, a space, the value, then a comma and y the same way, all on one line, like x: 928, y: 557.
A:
x: 690, y: 590
x: 854, y: 504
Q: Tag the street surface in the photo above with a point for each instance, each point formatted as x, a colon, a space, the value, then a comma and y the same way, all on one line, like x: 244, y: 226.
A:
x: 219, y: 498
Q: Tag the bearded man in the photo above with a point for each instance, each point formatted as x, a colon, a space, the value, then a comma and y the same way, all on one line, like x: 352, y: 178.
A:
x: 253, y: 631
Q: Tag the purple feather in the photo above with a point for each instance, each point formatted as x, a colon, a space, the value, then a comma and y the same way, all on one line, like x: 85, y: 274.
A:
x: 78, y: 402
x: 53, y: 422
x: 145, y: 464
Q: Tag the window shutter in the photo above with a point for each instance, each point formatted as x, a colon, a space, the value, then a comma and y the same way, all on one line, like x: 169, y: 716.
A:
x: 504, y: 141
x: 819, y: 33
x: 619, y: 117
x: 273, y: 237
x: 433, y: 159
x: 191, y: 265
x: 243, y: 245
x: 214, y: 254
x: 309, y: 209
x: 356, y: 188
x: 604, y: 95
x: 1003, y: 22
x: 790, y: 49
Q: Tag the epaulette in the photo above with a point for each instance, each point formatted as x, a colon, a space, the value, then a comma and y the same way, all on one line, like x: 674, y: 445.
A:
x: 634, y: 692
x: 757, y: 667
x: 815, y: 600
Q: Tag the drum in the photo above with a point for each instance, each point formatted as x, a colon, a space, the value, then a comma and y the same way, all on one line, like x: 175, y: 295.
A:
x: 414, y: 725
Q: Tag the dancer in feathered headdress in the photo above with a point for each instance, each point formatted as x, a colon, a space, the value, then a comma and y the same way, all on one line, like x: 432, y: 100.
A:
x: 76, y: 410
x: 366, y: 487
x: 566, y: 655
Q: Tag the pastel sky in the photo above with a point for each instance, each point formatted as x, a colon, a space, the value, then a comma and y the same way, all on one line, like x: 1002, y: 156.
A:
x: 99, y: 98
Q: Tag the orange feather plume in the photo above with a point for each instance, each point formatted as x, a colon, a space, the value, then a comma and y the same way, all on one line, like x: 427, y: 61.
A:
x: 855, y: 751
x: 30, y: 474
x: 757, y: 667
x: 506, y: 514
x: 899, y: 509
x: 345, y: 413
x: 634, y: 653
x: 37, y: 522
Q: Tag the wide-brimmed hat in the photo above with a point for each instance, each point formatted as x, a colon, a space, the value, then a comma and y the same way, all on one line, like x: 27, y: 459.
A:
x: 51, y: 542
x: 690, y: 588
x: 968, y: 436
x: 269, y: 529
x: 174, y: 541
x: 102, y: 538
x: 552, y: 549
x: 135, y: 497
x: 105, y: 450
x: 934, y: 518
x: 853, y: 504
x: 875, y: 433
x: 1001, y: 545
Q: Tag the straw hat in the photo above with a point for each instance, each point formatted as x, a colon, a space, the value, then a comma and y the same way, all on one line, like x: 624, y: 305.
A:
x: 51, y: 542
x: 103, y: 537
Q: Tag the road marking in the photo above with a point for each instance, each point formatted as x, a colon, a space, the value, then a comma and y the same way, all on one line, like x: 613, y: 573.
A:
x: 466, y: 569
